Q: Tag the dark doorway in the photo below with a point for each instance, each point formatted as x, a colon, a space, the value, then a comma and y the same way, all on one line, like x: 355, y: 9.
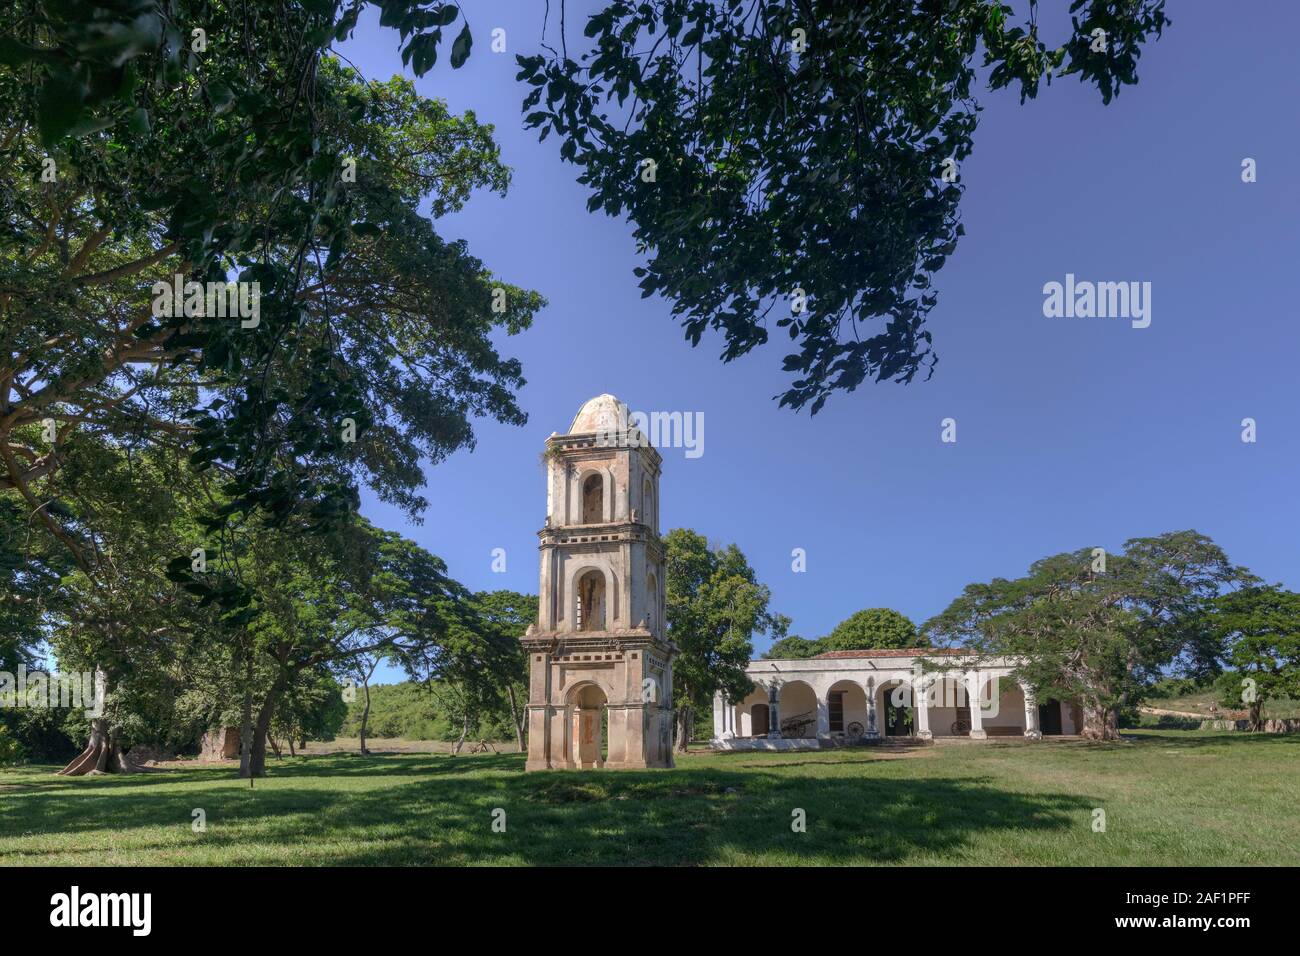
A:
x: 898, y: 720
x: 758, y: 720
x: 835, y: 711
x: 1049, y: 718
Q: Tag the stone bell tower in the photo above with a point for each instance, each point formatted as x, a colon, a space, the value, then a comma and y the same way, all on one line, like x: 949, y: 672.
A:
x: 600, y: 662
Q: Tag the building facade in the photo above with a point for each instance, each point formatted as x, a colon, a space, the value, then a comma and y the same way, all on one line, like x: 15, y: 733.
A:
x: 856, y: 696
x: 600, y: 662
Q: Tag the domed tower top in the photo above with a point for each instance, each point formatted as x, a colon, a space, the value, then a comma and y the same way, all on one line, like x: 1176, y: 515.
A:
x: 604, y: 413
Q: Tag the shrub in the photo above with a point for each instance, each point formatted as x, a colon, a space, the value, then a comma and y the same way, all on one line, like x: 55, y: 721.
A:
x: 10, y: 752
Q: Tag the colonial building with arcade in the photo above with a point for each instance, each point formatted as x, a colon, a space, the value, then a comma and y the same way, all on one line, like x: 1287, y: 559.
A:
x: 845, y: 697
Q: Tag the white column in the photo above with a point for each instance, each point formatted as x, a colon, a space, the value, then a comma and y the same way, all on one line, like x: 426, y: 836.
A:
x: 823, y: 716
x: 974, y: 692
x: 873, y: 719
x: 1031, y: 713
x: 719, y: 715
x: 921, y: 703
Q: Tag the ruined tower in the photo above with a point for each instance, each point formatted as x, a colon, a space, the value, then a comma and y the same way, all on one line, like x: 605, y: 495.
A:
x: 599, y: 658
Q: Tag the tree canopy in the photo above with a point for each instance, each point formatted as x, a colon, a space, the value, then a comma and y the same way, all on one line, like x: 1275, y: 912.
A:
x: 247, y: 155
x: 160, y: 158
x: 874, y: 628
x: 793, y: 647
x: 479, y: 671
x: 1260, y: 630
x: 1095, y: 626
x: 877, y: 628
x: 715, y: 605
x: 798, y: 159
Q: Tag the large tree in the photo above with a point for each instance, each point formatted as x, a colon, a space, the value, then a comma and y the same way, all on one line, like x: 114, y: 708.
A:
x: 873, y: 628
x: 478, y: 671
x: 502, y: 618
x: 1260, y: 629
x: 1094, y: 627
x: 121, y: 617
x: 324, y: 602
x: 715, y: 606
x: 137, y: 154
x: 797, y: 161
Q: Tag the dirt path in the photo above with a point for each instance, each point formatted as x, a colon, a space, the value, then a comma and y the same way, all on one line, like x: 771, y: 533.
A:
x: 1178, y: 713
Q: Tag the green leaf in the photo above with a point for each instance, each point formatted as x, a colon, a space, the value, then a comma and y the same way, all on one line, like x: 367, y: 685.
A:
x: 222, y: 98
x: 460, y: 48
x: 60, y: 108
x: 347, y: 23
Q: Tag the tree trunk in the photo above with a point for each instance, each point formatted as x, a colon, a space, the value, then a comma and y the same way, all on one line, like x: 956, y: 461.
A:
x: 516, y: 717
x: 261, y: 730
x: 292, y: 752
x: 118, y: 761
x: 683, y: 728
x: 1099, y: 723
x: 275, y: 747
x: 365, y: 715
x: 103, y: 753
x: 1256, y: 715
x: 246, y: 724
x: 464, y: 732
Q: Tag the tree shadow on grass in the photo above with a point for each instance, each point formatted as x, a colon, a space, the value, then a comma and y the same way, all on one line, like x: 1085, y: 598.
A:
x: 53, y: 804
x: 35, y: 780
x: 698, y: 815
x: 39, y: 779
x: 716, y: 816
x: 392, y: 764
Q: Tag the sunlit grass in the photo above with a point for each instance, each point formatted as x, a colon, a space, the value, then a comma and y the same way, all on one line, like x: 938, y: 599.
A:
x: 1170, y: 798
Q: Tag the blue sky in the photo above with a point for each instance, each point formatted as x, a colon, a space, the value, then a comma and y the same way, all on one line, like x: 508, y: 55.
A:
x: 1070, y: 432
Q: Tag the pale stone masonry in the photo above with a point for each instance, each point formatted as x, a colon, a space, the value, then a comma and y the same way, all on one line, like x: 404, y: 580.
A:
x: 864, y: 696
x: 600, y: 645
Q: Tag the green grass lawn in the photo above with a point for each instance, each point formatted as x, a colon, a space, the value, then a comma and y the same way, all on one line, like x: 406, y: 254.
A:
x: 1171, y: 797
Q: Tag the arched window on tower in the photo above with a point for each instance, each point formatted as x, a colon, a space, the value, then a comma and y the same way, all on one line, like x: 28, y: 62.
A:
x: 648, y: 504
x: 593, y: 500
x: 590, y: 615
